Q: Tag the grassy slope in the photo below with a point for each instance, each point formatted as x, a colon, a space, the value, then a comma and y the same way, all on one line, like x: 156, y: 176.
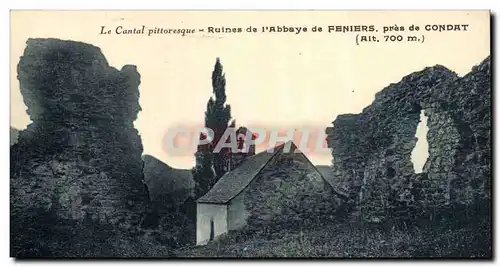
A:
x: 353, y: 240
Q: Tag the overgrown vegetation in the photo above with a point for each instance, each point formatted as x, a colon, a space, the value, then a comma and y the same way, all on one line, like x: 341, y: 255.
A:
x: 51, y: 237
x: 355, y: 239
x: 39, y: 233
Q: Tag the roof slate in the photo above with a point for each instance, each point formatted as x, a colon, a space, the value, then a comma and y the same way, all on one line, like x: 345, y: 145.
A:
x: 234, y: 182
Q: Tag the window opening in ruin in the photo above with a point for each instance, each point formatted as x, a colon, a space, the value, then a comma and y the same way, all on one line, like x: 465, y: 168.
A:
x: 420, y: 152
x: 211, y: 229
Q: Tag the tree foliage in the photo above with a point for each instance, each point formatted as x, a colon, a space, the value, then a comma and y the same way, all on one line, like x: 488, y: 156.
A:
x: 210, y: 166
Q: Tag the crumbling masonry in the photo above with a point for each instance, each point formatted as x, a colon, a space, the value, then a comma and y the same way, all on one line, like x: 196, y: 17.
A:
x: 81, y: 155
x: 372, y: 150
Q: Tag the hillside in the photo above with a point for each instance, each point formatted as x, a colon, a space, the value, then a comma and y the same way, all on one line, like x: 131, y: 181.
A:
x: 167, y: 185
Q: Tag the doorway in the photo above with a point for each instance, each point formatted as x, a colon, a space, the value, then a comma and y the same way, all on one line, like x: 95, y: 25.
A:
x: 211, y: 229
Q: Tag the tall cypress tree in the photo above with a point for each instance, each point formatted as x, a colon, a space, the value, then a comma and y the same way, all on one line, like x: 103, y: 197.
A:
x: 210, y: 165
x: 218, y: 115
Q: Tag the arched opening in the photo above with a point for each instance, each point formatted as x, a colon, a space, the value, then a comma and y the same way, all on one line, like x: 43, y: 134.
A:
x: 420, y: 152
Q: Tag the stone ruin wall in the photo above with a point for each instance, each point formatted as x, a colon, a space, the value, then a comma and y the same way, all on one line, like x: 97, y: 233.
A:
x: 372, y: 150
x: 81, y: 155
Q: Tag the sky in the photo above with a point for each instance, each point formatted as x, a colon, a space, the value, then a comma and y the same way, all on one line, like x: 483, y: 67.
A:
x: 283, y: 80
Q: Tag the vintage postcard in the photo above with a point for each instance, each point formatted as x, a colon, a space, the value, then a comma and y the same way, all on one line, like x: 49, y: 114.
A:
x: 250, y: 134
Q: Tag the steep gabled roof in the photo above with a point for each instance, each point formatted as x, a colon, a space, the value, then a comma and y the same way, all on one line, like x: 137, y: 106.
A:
x: 234, y: 182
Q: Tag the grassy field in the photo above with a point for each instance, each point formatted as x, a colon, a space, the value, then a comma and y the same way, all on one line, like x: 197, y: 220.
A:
x: 352, y: 240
